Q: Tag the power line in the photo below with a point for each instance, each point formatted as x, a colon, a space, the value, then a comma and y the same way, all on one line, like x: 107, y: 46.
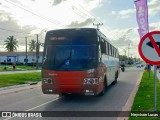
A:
x: 13, y: 31
x: 44, y: 18
x: 99, y: 21
x: 89, y: 14
x: 74, y: 7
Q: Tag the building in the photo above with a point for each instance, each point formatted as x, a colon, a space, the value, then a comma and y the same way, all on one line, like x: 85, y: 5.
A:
x: 19, y: 57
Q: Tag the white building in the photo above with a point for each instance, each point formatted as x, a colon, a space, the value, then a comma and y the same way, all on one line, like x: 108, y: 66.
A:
x: 19, y: 57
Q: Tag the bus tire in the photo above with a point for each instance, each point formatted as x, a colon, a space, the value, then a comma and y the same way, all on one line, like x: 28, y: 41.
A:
x: 116, y: 77
x: 104, y: 87
x: 102, y: 92
x: 62, y: 94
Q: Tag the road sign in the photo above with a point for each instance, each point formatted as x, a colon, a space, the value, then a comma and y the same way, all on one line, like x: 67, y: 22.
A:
x: 149, y: 47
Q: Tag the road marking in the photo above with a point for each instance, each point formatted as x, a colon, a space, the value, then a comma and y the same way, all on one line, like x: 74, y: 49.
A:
x: 36, y: 107
x: 129, y: 103
x: 42, y: 104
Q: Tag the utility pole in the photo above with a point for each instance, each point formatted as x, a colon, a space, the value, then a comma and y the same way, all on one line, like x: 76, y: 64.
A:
x: 26, y: 60
x: 124, y: 51
x: 37, y: 52
x: 124, y: 55
x: 128, y: 52
x: 98, y: 25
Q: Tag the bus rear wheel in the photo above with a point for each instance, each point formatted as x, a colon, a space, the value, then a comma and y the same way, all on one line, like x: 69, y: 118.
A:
x: 116, y: 77
x: 104, y: 87
x: 62, y: 94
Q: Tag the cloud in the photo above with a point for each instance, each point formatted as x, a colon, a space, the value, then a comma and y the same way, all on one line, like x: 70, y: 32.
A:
x: 123, y: 14
x: 154, y: 26
x: 122, y: 41
x: 81, y: 24
x: 126, y: 12
x: 3, y: 17
x: 126, y: 38
x: 56, y: 2
x: 123, y: 37
x: 11, y: 28
x: 153, y: 7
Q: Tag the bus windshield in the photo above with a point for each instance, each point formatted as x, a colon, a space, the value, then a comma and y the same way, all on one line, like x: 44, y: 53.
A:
x: 70, y: 57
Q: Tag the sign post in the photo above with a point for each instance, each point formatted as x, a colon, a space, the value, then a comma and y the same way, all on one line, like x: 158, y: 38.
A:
x: 155, y: 88
x: 149, y: 50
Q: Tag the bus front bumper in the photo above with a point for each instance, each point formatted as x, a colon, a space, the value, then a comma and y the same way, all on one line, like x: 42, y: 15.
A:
x: 72, y: 89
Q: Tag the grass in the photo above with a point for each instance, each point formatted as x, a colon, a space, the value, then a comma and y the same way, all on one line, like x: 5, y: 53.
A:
x: 144, y: 99
x: 19, y: 78
x: 18, y: 67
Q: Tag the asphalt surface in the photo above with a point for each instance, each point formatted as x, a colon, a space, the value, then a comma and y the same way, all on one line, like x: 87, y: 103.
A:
x: 30, y: 98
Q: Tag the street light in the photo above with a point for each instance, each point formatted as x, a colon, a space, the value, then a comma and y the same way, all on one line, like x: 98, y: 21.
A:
x: 37, y: 52
x: 128, y: 50
x: 26, y: 60
x: 125, y: 51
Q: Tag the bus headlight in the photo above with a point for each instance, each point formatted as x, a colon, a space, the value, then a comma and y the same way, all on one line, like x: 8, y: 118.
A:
x: 91, y: 81
x: 47, y: 81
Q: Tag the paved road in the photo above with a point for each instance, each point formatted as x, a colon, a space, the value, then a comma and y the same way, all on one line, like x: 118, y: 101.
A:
x: 32, y: 99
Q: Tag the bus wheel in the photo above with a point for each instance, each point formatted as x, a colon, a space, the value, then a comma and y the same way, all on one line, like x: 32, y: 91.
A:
x: 62, y: 94
x: 103, y: 91
x: 115, y: 81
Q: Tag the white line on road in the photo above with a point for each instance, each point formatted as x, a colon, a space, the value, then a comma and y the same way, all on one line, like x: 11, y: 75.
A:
x: 129, y: 103
x: 42, y: 104
x: 37, y: 106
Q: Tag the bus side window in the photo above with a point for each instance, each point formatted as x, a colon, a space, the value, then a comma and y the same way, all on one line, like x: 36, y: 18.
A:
x: 107, y: 50
x: 103, y: 46
x: 110, y: 49
x: 100, y: 53
x: 113, y: 52
x: 116, y: 53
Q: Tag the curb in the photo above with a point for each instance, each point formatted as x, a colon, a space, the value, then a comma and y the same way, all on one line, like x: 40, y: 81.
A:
x: 129, y: 103
x: 18, y: 71
x: 12, y: 87
x: 18, y: 88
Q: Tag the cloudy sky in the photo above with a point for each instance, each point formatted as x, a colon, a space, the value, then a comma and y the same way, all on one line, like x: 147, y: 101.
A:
x: 26, y: 18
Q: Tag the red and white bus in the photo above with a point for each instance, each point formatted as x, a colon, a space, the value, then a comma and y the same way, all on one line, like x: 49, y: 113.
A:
x: 79, y: 61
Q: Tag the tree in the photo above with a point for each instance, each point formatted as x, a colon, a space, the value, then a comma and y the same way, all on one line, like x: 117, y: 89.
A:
x: 32, y: 45
x: 11, y: 44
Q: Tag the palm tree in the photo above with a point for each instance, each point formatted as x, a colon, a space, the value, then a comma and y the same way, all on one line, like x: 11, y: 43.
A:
x: 32, y: 45
x: 11, y: 44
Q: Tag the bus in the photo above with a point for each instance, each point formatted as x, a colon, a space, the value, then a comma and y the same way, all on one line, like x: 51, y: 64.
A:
x: 78, y: 61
